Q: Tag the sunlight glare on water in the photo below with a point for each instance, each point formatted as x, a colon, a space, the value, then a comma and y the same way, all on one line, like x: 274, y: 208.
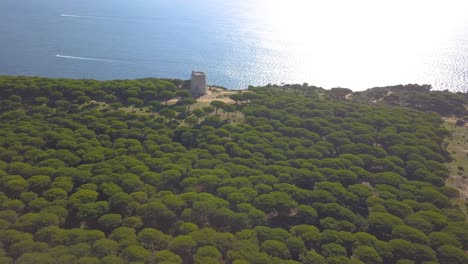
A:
x: 363, y: 43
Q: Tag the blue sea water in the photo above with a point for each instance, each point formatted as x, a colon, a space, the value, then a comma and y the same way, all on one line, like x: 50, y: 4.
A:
x: 354, y: 44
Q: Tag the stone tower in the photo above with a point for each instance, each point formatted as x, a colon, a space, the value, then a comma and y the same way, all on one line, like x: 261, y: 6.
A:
x: 198, y: 84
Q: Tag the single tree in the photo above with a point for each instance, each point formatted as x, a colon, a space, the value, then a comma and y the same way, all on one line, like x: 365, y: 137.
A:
x: 217, y: 105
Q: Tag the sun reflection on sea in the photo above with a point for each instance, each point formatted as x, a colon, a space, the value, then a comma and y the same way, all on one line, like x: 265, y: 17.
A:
x: 356, y: 44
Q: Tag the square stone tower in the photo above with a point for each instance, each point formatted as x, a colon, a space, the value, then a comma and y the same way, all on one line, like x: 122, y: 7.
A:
x: 198, y: 84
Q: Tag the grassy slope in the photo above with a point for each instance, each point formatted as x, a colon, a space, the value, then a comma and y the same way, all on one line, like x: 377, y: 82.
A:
x: 457, y: 146
x: 220, y: 95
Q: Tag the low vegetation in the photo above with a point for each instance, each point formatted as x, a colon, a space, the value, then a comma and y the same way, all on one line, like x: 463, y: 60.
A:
x: 457, y: 146
x: 419, y: 97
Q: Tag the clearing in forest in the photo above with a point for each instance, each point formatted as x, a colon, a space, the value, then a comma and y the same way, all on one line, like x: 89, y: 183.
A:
x: 457, y: 146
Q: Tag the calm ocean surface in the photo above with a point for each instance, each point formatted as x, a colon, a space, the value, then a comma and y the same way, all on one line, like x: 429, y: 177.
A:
x: 355, y: 44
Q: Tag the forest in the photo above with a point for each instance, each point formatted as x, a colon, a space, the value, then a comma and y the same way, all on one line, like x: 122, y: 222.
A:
x: 136, y: 171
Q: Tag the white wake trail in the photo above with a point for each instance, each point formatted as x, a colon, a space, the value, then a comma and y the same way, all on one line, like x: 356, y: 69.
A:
x: 86, y: 58
x: 78, y: 16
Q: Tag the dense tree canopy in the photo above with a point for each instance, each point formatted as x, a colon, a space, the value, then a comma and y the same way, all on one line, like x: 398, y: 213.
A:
x: 119, y: 172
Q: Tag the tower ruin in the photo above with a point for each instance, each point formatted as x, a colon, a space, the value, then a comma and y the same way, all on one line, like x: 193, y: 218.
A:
x: 198, y: 84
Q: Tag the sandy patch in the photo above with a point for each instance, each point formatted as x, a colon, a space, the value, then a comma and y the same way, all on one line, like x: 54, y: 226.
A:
x: 214, y: 93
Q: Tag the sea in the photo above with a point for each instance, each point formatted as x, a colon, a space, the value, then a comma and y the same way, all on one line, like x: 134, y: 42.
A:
x: 335, y: 43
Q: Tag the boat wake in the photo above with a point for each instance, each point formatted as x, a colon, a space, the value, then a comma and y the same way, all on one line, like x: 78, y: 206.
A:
x: 78, y: 16
x: 87, y: 58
